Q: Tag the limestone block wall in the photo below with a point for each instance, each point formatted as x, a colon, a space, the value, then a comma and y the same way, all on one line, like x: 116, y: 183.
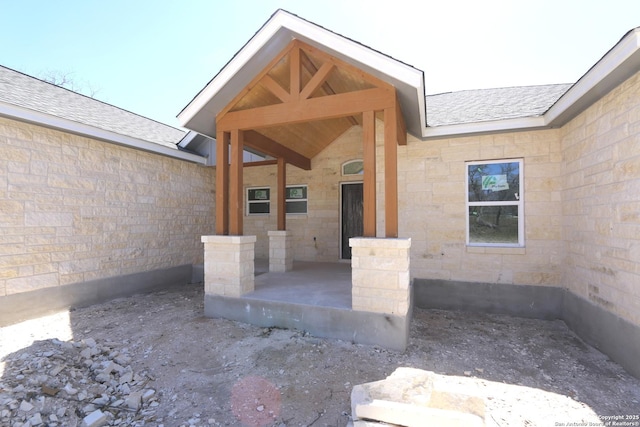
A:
x: 74, y: 209
x: 601, y: 202
x: 432, y: 191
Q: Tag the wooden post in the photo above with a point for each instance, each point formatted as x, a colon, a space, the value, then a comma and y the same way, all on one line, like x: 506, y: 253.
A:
x: 222, y: 183
x: 391, y: 172
x: 369, y: 185
x: 282, y: 196
x: 236, y: 184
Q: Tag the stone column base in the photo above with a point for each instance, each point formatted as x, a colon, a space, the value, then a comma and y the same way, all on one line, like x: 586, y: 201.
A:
x: 280, y: 251
x: 380, y: 279
x: 229, y: 265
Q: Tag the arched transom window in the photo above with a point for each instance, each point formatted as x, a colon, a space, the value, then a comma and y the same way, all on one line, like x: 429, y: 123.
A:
x: 353, y: 167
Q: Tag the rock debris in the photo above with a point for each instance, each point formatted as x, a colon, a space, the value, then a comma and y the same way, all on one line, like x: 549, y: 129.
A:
x: 83, y: 383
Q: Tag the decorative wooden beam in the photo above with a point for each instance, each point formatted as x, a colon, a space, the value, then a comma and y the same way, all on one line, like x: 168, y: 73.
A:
x: 294, y: 64
x: 317, y: 80
x: 273, y: 87
x: 282, y: 197
x: 222, y: 183
x: 259, y: 162
x: 325, y: 107
x: 257, y: 79
x: 391, y: 172
x: 324, y: 56
x: 268, y: 146
x: 306, y: 63
x: 369, y: 160
x: 236, y: 185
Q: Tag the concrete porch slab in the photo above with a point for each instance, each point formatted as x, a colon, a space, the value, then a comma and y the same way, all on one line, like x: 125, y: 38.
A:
x: 315, y: 298
x: 326, y: 284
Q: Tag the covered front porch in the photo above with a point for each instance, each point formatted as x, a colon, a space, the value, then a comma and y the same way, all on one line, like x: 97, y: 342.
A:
x: 289, y: 95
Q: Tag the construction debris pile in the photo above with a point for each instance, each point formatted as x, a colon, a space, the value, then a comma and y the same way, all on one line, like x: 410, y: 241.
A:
x: 83, y: 383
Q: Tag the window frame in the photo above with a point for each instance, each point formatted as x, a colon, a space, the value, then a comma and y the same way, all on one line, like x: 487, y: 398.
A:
x: 255, y: 202
x: 350, y: 162
x: 292, y: 200
x: 519, y: 202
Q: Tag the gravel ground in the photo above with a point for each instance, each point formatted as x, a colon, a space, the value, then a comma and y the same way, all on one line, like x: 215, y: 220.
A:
x: 155, y: 360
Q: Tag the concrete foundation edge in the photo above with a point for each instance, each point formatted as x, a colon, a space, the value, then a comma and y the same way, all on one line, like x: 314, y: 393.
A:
x: 612, y: 335
x: 29, y: 305
x: 384, y: 330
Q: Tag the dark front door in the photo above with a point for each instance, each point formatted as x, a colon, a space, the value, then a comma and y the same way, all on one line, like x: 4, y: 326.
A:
x: 352, y: 222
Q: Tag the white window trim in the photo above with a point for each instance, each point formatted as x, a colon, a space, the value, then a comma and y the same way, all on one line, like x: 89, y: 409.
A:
x: 519, y: 203
x: 249, y: 202
x: 298, y: 200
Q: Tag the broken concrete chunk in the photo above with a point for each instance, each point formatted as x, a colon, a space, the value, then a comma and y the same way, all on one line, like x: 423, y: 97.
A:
x: 86, y: 353
x: 36, y: 419
x: 414, y: 416
x: 134, y: 400
x: 95, y: 419
x: 413, y: 397
x: 89, y: 342
x: 25, y: 406
x: 127, y: 377
x: 148, y: 394
x: 55, y: 371
x: 69, y: 389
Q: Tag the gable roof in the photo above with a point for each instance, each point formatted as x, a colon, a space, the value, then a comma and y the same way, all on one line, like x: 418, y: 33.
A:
x: 27, y: 98
x: 283, y: 27
x: 435, y: 116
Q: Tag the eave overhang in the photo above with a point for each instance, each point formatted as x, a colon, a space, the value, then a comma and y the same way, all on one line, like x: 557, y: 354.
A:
x: 65, y: 125
x: 620, y: 63
x: 199, y: 115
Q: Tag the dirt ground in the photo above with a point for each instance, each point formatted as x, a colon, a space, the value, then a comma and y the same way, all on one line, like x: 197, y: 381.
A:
x: 216, y: 372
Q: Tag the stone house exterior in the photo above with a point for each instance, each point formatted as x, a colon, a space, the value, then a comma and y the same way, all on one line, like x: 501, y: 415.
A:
x: 521, y: 200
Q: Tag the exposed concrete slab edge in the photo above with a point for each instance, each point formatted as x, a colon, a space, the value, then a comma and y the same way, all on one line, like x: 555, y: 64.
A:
x: 616, y: 337
x: 22, y: 306
x: 197, y: 273
x: 538, y: 302
x: 612, y: 335
x: 384, y: 330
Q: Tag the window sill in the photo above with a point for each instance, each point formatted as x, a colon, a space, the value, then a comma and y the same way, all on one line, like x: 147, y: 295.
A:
x: 502, y: 250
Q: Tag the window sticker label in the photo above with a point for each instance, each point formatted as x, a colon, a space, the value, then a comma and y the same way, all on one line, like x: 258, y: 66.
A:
x: 495, y: 182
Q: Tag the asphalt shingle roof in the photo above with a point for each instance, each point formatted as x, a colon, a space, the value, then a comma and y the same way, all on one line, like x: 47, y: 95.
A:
x: 28, y: 92
x: 481, y: 105
x: 451, y: 108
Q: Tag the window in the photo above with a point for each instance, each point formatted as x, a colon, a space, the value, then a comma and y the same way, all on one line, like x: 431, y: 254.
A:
x: 297, y: 199
x: 495, y: 203
x: 353, y: 167
x: 258, y: 201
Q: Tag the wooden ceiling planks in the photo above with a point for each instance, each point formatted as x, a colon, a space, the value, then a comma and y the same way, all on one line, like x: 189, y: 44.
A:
x: 303, y: 100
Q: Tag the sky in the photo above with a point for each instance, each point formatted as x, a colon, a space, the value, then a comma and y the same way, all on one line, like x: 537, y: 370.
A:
x: 152, y: 57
